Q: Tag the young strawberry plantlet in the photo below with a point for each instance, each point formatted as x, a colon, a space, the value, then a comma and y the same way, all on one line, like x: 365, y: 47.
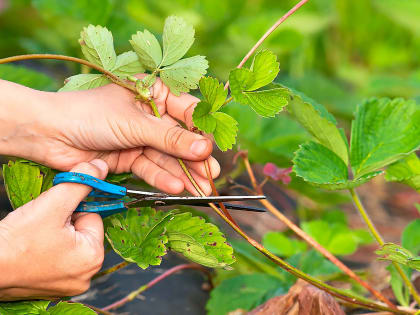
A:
x: 383, y: 132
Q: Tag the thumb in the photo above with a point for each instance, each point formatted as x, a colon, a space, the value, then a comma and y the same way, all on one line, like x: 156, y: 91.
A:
x: 174, y: 140
x: 61, y: 200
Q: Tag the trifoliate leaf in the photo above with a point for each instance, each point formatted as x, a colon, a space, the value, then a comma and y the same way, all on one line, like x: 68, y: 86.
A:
x: 98, y: 46
x: 148, y: 49
x: 184, y: 74
x: 317, y: 121
x: 65, y: 308
x: 265, y: 68
x: 202, y: 117
x: 321, y: 167
x: 266, y: 103
x: 213, y: 92
x: 226, y: 130
x: 139, y: 236
x: 88, y: 81
x: 399, y: 254
x: 24, y: 308
x: 23, y: 182
x: 406, y: 171
x: 127, y: 64
x: 178, y: 36
x: 199, y: 241
x: 383, y: 132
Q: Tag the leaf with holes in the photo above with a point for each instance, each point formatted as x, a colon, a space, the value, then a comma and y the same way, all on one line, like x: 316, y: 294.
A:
x: 383, y: 132
x: 321, y: 167
x: 178, y: 36
x: 405, y: 171
x: 184, y: 74
x: 139, y: 236
x: 98, y: 46
x: 148, y: 49
x: 127, y: 64
x: 319, y: 123
x: 80, y: 82
x: 199, y: 241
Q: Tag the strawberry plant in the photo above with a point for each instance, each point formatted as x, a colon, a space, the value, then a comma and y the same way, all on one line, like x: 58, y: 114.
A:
x: 384, y: 138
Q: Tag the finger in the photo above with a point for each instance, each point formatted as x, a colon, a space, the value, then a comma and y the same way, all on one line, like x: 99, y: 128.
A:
x: 180, y: 107
x: 156, y: 176
x: 61, y: 200
x: 90, y: 225
x: 172, y: 166
x: 174, y: 140
x: 167, y: 162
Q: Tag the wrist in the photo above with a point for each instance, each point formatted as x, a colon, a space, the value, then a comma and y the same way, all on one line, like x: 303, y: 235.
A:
x: 24, y: 120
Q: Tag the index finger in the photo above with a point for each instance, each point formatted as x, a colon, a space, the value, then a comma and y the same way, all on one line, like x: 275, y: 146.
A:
x: 179, y: 107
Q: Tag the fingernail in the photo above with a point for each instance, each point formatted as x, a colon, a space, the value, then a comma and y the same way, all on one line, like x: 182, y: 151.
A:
x: 199, y: 147
x: 100, y: 164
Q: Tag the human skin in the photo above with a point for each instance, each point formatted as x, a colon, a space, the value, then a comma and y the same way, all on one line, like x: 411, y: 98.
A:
x: 46, y: 251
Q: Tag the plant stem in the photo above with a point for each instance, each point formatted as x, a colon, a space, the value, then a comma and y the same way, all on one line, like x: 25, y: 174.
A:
x: 269, y: 31
x: 109, y: 74
x: 155, y: 109
x: 98, y: 310
x: 309, y: 239
x: 365, y: 216
x: 164, y: 275
x: 111, y: 270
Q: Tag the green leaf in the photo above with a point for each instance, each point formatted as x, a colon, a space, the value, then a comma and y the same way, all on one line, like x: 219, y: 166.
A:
x: 406, y: 171
x: 321, y: 167
x: 281, y: 245
x: 80, y: 82
x: 266, y: 103
x: 410, y: 237
x: 139, y: 237
x: 98, y: 46
x: 241, y: 292
x: 199, y: 241
x: 399, y: 254
x: 64, y: 308
x: 213, y: 92
x: 383, y: 132
x: 27, y: 77
x: 225, y: 132
x: 265, y: 68
x: 24, y: 308
x: 401, y: 292
x: 148, y: 49
x: 184, y: 74
x: 203, y: 118
x: 178, y: 36
x: 319, y: 123
x: 127, y: 64
x: 23, y: 182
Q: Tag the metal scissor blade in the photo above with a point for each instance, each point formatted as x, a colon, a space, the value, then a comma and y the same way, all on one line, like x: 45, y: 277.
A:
x: 232, y: 206
x: 173, y: 200
x: 138, y: 193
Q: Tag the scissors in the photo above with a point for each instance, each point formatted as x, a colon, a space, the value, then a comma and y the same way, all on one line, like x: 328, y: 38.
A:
x: 119, y: 201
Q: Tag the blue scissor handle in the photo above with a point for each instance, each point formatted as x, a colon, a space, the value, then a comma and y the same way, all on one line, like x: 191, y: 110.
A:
x: 100, y: 187
x: 104, y: 208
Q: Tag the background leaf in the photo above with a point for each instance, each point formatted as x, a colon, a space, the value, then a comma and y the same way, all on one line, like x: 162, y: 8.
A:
x: 178, y: 36
x: 406, y: 171
x: 281, y: 245
x: 88, y: 81
x: 98, y: 46
x: 319, y: 123
x: 147, y: 48
x: 199, y: 241
x: 410, y: 237
x: 27, y: 77
x: 185, y: 74
x: 383, y: 132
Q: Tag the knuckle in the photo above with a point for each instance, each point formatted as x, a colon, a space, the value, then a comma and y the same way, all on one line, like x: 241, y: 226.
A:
x: 174, y: 137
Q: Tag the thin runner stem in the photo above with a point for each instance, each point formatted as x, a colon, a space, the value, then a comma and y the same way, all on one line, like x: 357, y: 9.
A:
x: 111, y: 269
x: 270, y: 207
x: 371, y: 226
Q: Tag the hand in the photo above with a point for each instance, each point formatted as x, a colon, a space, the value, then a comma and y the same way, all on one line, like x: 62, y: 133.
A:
x: 46, y: 251
x: 63, y: 129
